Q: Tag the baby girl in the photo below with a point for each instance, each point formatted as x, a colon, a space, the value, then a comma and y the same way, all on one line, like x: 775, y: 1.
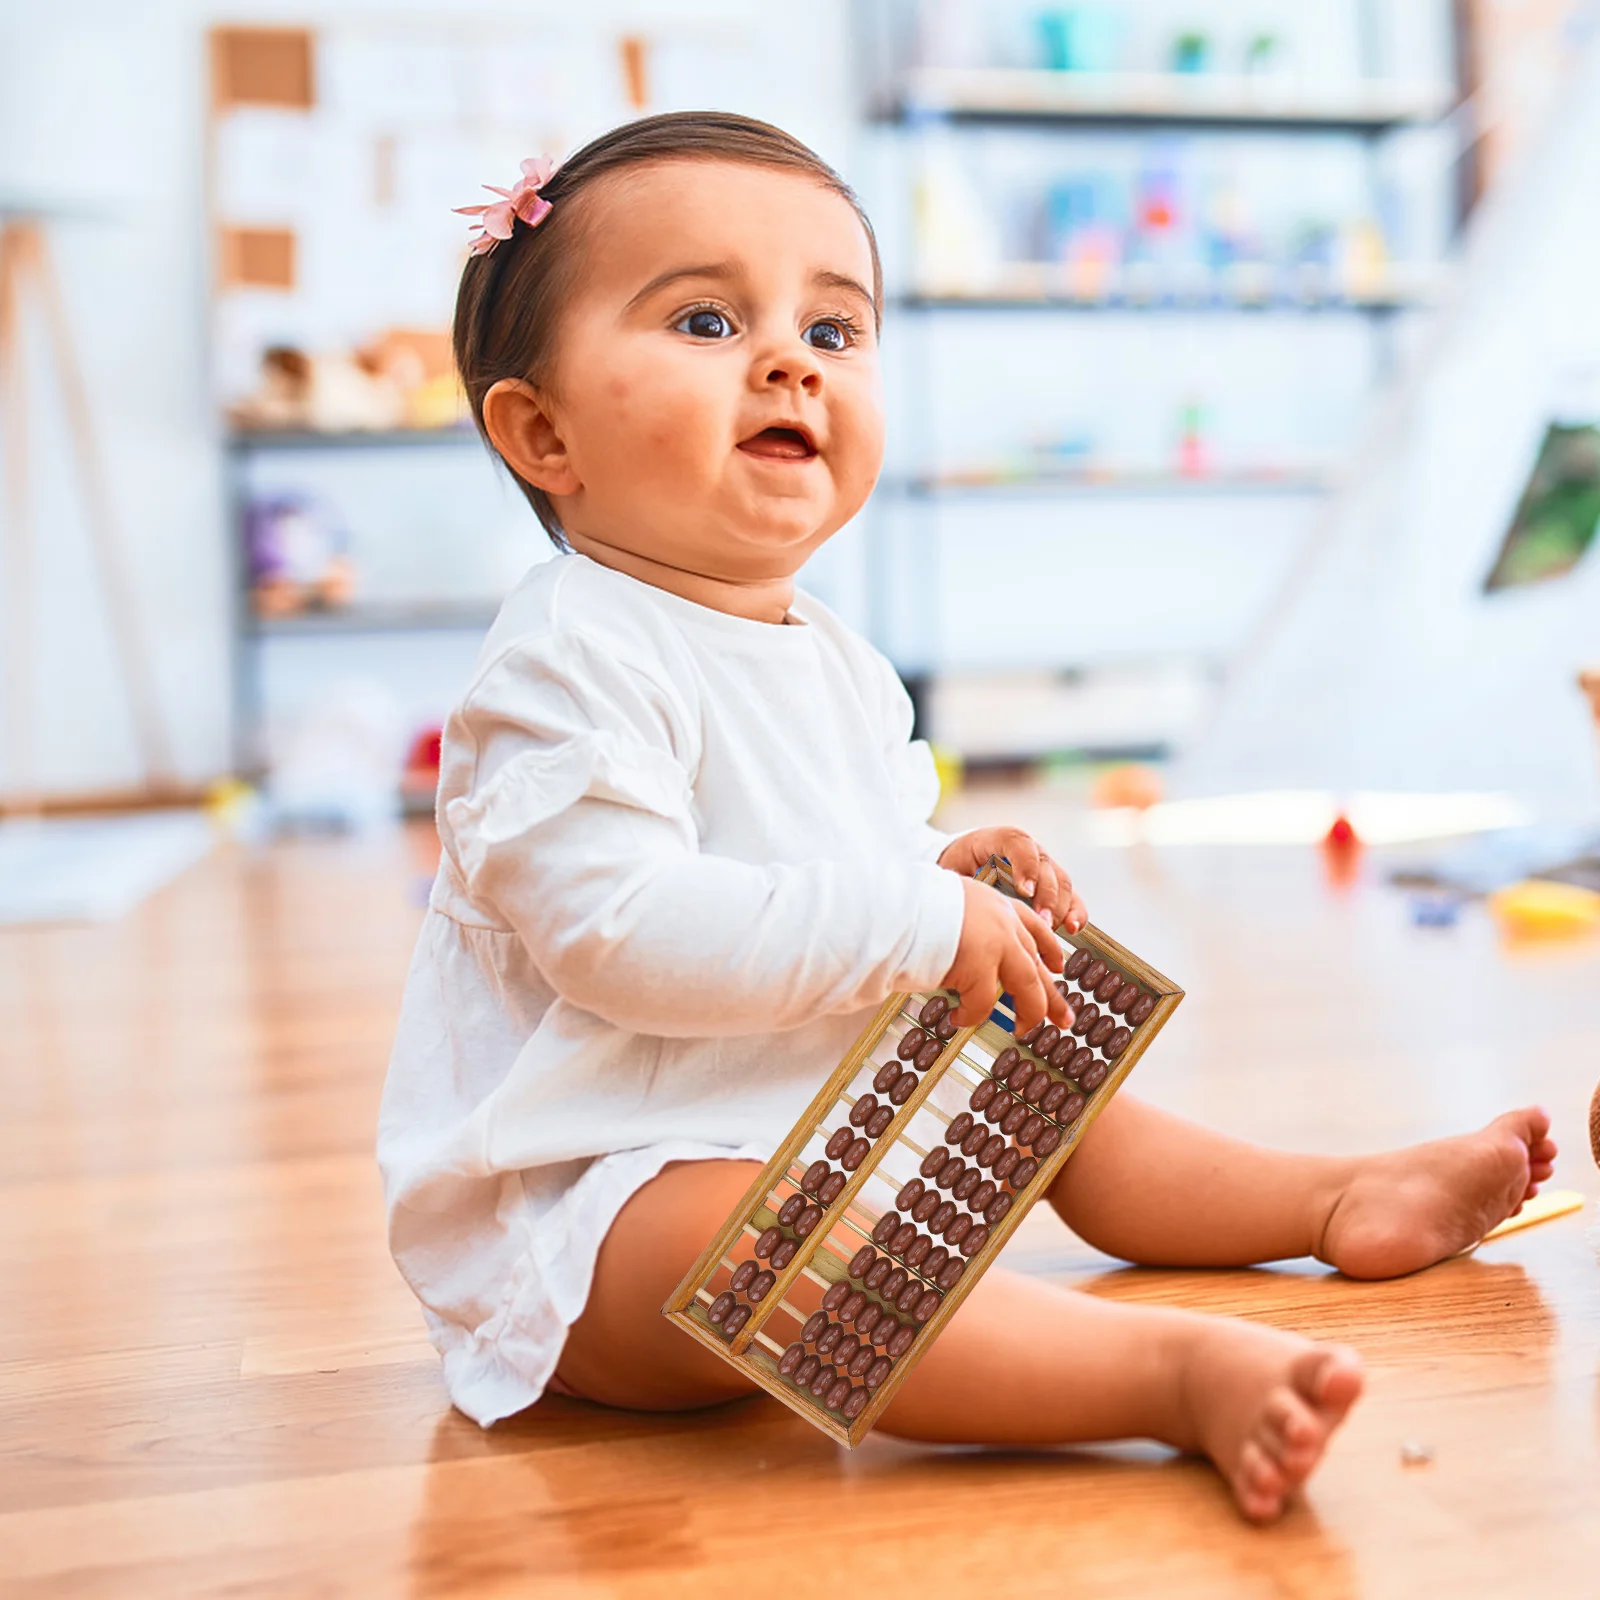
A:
x: 687, y: 854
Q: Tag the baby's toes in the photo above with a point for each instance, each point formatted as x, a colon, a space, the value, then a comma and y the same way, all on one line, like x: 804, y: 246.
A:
x: 1295, y: 1436
x: 1259, y: 1483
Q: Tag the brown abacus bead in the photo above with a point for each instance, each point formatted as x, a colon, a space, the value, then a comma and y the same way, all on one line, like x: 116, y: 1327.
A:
x: 1086, y: 1019
x: 1082, y: 1060
x: 893, y: 1284
x: 1071, y: 1110
x: 1005, y: 1061
x: 940, y: 1219
x: 950, y: 1274
x: 969, y: 1180
x: 958, y: 1229
x: 856, y: 1404
x: 807, y: 1370
x: 1124, y: 997
x: 926, y: 1306
x: 994, y: 1213
x: 742, y: 1274
x: 1053, y: 1096
x: 1094, y: 1077
x: 736, y: 1320
x: 846, y: 1351
x: 904, y: 1087
x: 837, y: 1144
x: 934, y: 1265
x: 861, y: 1260
x: 927, y: 1055
x: 792, y: 1207
x: 1108, y: 986
x: 1022, y: 1173
x: 911, y: 1041
x: 992, y: 1148
x: 1092, y: 974
x: 1013, y: 1119
x: 902, y: 1342
x: 1076, y: 962
x: 947, y: 1028
x: 768, y: 1242
x: 983, y: 1094
x: 1038, y: 1087
x: 816, y: 1176
x: 1047, y: 1142
x: 1117, y: 1043
x: 1062, y: 1054
x: 974, y: 1141
x: 836, y: 1296
x: 1141, y: 1008
x: 927, y: 1205
x: 868, y: 1318
x: 909, y: 1195
x: 918, y: 1250
x: 982, y: 1195
x: 721, y: 1306
x: 851, y: 1308
x: 762, y: 1287
x: 1101, y: 1031
x: 1032, y: 1034
x: 997, y: 1108
x: 974, y: 1241
x: 828, y: 1338
x: 878, y: 1371
x: 1006, y: 1160
x: 933, y: 1010
x: 878, y: 1271
x: 862, y: 1109
x: 881, y: 1118
x: 838, y: 1393
x: 950, y: 1172
x: 823, y: 1382
x: 903, y: 1235
x: 833, y: 1185
x: 807, y: 1220
x: 959, y: 1129
x: 861, y: 1360
x: 909, y: 1296
x: 815, y: 1323
x: 790, y: 1359
x: 1032, y: 1127
x: 1046, y: 1039
x: 933, y: 1161
x: 854, y: 1155
x: 887, y: 1074
x: 1020, y: 1074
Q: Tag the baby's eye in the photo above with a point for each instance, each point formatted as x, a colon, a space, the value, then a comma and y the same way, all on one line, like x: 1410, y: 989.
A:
x: 704, y: 324
x: 828, y: 335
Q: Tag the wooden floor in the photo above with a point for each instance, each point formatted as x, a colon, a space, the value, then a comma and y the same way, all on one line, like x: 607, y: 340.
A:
x: 212, y: 1382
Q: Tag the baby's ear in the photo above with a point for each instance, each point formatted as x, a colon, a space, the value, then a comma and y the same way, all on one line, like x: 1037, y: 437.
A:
x: 520, y: 426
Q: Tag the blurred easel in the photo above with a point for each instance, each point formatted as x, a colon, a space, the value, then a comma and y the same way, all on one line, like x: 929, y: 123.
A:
x: 25, y: 262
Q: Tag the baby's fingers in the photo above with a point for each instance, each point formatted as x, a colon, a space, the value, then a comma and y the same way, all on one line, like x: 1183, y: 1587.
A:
x: 1042, y: 935
x: 1073, y: 914
x: 1023, y: 853
x: 1022, y: 977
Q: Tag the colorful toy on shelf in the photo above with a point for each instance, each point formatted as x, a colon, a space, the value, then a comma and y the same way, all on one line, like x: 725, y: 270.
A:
x: 903, y: 1180
x: 298, y: 555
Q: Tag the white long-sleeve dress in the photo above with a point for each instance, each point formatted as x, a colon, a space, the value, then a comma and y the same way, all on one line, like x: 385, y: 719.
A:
x: 685, y: 856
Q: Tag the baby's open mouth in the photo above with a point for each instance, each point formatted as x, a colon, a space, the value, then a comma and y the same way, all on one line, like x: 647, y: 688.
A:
x: 779, y: 444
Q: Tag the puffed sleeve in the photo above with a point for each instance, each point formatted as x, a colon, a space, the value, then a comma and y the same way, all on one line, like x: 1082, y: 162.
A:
x: 566, y: 810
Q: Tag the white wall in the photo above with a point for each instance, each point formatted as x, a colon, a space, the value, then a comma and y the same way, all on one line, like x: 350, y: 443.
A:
x: 104, y: 102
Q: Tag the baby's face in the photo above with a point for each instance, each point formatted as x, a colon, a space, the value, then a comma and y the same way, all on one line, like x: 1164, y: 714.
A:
x: 717, y: 385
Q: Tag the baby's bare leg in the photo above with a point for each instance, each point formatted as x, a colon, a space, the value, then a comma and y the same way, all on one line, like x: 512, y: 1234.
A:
x: 1058, y: 1367
x: 1149, y: 1187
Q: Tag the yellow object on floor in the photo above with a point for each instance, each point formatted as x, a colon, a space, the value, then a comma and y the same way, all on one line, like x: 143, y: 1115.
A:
x: 1542, y: 1208
x: 1542, y: 909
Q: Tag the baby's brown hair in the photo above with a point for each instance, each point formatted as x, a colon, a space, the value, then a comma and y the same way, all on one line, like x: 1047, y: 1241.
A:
x: 511, y: 297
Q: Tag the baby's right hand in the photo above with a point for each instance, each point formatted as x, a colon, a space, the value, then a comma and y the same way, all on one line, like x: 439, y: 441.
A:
x: 1005, y: 945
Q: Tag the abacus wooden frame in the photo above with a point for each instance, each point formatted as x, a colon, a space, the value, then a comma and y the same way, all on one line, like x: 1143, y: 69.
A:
x: 684, y: 1304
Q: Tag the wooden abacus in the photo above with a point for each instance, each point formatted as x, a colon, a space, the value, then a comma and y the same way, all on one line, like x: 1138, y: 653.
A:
x: 827, y: 1291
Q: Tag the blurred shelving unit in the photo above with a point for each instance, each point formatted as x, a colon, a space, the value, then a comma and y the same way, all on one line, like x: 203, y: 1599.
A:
x: 985, y: 155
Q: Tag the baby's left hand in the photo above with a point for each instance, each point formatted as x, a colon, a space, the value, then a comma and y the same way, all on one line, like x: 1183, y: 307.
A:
x: 1035, y: 874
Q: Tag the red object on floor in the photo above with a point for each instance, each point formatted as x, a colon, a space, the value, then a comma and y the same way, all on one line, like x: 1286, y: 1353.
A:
x: 1342, y: 832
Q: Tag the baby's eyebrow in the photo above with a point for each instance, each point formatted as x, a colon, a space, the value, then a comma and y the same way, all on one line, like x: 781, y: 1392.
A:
x: 716, y: 269
x: 827, y: 279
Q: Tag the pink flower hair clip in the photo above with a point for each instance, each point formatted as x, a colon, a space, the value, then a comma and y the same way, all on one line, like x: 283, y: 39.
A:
x: 498, y: 218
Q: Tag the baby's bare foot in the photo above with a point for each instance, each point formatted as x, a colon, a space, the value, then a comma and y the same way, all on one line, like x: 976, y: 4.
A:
x: 1410, y: 1208
x: 1263, y: 1405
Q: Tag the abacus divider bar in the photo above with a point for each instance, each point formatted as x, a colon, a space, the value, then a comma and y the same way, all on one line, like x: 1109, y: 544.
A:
x: 778, y: 1166
x: 880, y: 1148
x: 1040, y: 1185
